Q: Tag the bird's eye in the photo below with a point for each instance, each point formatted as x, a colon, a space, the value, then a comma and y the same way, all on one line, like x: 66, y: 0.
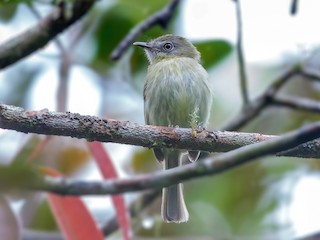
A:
x: 167, y: 46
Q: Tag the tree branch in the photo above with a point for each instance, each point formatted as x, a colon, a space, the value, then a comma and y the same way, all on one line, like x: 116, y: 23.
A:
x: 310, y: 75
x: 125, y: 132
x: 241, y: 61
x: 255, y: 106
x: 294, y: 7
x: 38, y: 36
x: 298, y: 103
x: 172, y: 176
x: 161, y: 18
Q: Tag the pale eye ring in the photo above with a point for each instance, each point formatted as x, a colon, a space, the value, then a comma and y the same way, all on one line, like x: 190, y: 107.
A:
x: 167, y: 46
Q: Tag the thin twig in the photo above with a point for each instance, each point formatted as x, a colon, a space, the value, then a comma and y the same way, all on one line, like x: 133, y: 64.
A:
x: 294, y: 7
x: 310, y: 75
x: 240, y: 56
x: 297, y: 103
x: 38, y: 36
x: 255, y: 106
x: 161, y: 18
x: 172, y: 176
x: 62, y: 90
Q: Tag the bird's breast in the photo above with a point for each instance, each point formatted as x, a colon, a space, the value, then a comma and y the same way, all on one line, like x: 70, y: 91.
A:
x: 174, y: 90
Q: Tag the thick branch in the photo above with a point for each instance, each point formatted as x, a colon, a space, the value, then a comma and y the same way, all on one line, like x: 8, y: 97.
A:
x: 161, y: 18
x: 172, y: 176
x: 38, y: 36
x: 125, y: 132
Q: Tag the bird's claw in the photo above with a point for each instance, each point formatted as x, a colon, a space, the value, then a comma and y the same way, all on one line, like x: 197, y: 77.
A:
x: 197, y: 131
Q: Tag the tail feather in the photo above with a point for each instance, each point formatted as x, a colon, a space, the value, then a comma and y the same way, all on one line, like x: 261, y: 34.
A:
x: 173, y: 208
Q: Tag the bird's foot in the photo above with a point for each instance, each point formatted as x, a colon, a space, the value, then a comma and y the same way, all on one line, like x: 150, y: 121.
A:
x: 197, y: 131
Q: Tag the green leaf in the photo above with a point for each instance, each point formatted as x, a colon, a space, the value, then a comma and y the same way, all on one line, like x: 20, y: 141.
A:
x: 117, y: 22
x: 20, y: 172
x: 114, y: 21
x: 7, y: 11
x: 17, y: 175
x: 213, y: 51
x: 144, y: 162
x: 44, y: 219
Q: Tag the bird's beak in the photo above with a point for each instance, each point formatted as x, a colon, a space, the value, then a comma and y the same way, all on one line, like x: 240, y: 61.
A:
x: 142, y: 44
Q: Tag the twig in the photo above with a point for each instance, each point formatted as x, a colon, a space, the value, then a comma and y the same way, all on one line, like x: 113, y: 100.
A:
x: 310, y: 75
x: 312, y: 236
x: 297, y: 103
x: 294, y: 7
x: 64, y: 72
x: 38, y: 36
x: 255, y: 106
x: 241, y: 61
x: 161, y: 18
x: 124, y: 132
x: 162, y: 179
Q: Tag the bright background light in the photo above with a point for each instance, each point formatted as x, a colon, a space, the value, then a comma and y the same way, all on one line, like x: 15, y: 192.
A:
x: 270, y: 34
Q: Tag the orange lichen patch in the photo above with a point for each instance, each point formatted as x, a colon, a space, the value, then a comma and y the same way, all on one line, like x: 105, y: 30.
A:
x: 48, y: 171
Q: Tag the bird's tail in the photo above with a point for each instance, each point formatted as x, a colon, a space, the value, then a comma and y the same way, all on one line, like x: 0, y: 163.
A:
x: 173, y: 208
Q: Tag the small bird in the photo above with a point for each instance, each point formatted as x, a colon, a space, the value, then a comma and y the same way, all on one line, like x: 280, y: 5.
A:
x: 176, y: 93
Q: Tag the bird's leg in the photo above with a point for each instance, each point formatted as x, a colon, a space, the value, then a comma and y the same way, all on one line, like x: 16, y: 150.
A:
x: 194, y: 131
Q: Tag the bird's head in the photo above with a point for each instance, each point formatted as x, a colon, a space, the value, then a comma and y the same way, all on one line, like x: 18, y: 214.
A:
x: 167, y: 47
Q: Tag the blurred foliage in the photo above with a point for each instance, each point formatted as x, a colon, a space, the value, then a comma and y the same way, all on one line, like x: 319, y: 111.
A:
x: 14, y: 2
x: 143, y: 162
x: 235, y: 203
x: 213, y: 51
x: 17, y: 175
x: 7, y: 11
x: 19, y: 172
x: 43, y: 219
x: 26, y: 150
x: 120, y: 18
x: 71, y: 159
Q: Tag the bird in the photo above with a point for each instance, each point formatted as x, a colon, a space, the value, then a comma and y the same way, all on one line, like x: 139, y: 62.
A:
x: 176, y: 94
